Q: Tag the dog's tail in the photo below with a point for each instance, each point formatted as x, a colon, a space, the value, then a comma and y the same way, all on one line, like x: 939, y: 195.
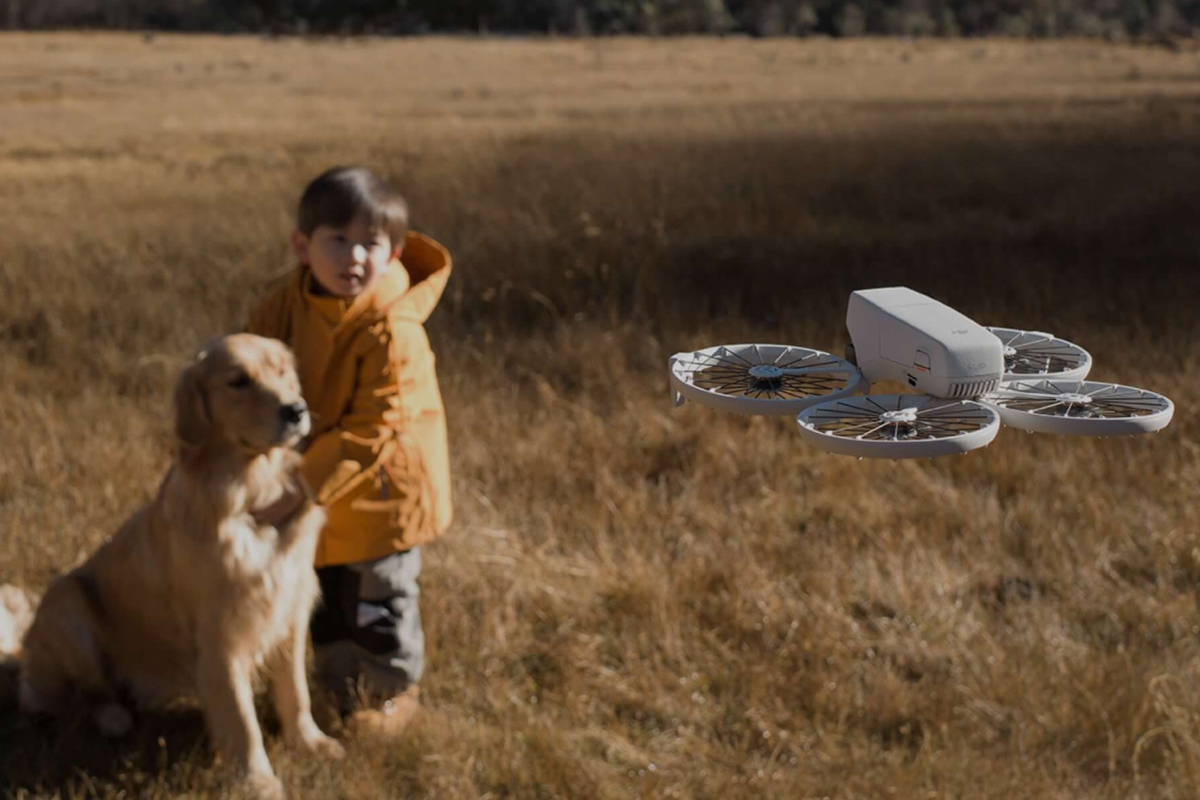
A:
x: 16, y: 615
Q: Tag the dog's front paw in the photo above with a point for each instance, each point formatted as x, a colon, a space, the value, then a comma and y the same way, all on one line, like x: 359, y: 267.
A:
x: 260, y: 786
x: 323, y: 746
x: 308, y: 737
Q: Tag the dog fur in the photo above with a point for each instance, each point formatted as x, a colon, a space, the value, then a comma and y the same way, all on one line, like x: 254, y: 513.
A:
x: 16, y: 615
x: 210, y: 581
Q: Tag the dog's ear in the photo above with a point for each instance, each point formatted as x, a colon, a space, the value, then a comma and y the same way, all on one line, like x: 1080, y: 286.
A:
x: 193, y: 422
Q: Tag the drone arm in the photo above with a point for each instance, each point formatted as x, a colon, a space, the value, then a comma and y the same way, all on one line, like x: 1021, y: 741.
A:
x: 676, y: 396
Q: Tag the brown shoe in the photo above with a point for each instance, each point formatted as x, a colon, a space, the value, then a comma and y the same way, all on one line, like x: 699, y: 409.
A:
x: 388, y: 719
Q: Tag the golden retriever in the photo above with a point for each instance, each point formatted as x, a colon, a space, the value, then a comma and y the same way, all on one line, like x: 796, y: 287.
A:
x: 210, y: 580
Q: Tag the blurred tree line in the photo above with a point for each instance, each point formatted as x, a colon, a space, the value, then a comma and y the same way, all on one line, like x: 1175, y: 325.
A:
x: 1111, y: 19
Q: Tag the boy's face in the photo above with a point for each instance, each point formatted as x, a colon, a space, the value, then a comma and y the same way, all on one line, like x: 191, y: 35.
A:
x: 346, y: 260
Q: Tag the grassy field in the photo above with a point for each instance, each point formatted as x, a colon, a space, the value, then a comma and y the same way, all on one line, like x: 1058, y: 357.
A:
x: 638, y: 601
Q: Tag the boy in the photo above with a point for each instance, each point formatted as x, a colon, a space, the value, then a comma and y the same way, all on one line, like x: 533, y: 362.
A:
x: 353, y: 312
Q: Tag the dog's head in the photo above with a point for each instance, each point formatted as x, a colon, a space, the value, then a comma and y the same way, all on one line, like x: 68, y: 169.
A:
x: 242, y: 395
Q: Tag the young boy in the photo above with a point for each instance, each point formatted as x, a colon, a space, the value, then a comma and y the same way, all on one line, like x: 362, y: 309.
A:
x: 353, y: 312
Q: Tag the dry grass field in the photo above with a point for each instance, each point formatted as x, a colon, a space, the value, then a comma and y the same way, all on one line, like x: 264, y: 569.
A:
x: 638, y: 601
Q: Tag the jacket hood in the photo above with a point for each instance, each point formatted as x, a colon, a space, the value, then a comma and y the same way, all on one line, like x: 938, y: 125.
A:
x: 427, y: 264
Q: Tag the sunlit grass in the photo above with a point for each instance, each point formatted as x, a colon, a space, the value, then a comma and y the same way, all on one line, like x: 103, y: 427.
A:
x: 639, y: 601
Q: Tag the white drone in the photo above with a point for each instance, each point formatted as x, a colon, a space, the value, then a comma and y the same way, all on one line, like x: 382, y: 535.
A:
x: 973, y: 378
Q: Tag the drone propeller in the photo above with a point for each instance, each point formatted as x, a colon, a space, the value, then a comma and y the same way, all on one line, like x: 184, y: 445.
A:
x: 1082, y: 408
x: 898, y: 426
x: 1029, y: 355
x: 761, y: 378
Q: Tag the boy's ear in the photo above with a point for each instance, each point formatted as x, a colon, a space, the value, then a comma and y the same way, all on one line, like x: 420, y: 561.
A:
x: 397, y: 250
x: 300, y: 246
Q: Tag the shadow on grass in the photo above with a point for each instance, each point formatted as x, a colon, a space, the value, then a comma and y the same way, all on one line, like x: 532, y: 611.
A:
x: 41, y: 755
x: 1023, y: 225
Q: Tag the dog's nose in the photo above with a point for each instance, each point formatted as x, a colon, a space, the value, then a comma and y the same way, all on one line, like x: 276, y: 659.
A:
x: 293, y: 412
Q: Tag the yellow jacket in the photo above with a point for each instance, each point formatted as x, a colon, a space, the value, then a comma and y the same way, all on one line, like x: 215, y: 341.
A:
x: 378, y: 457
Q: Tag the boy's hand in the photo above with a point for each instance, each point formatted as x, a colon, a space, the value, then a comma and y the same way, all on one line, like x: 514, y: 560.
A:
x: 279, y: 511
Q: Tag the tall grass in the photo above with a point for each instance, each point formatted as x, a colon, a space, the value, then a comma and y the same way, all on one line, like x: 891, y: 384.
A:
x: 638, y: 601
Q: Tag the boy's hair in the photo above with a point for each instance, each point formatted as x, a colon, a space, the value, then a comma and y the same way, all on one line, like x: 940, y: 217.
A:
x: 337, y: 196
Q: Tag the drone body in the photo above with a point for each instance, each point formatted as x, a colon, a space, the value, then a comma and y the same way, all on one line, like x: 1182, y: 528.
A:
x: 970, y: 379
x: 904, y: 336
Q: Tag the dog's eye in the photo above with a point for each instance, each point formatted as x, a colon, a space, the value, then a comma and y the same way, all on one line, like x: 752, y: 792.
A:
x: 240, y: 381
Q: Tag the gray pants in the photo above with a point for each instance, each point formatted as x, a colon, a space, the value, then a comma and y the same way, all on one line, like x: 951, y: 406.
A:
x: 367, y: 631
